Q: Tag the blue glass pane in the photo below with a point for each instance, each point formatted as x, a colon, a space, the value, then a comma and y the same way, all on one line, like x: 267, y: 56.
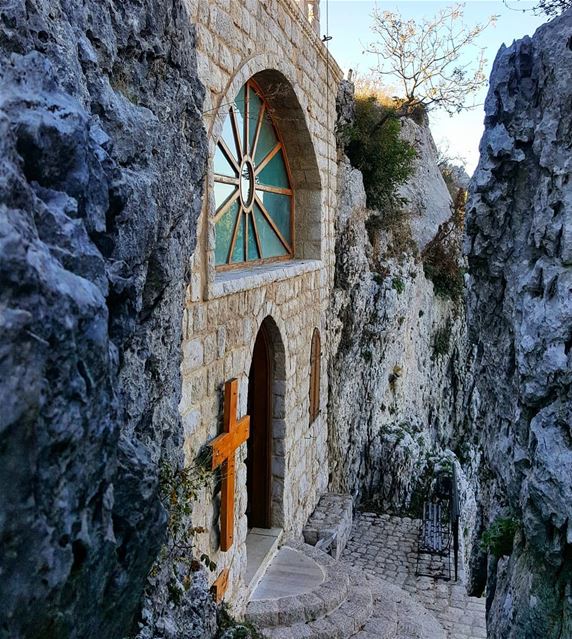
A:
x: 271, y: 245
x: 252, y: 248
x: 238, y: 252
x: 240, y: 109
x: 222, y: 192
x: 279, y: 209
x: 221, y: 164
x: 224, y: 230
x: 266, y: 141
x: 228, y: 136
x: 274, y: 173
x: 255, y: 105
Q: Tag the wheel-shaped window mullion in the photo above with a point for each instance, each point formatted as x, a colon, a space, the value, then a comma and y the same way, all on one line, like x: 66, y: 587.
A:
x: 258, y: 202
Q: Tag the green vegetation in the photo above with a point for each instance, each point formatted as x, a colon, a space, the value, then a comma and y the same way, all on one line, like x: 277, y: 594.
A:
x: 375, y: 148
x: 398, y: 285
x: 498, y: 539
x: 230, y: 628
x: 442, y: 340
x: 447, y: 277
x: 179, y: 488
x: 442, y: 255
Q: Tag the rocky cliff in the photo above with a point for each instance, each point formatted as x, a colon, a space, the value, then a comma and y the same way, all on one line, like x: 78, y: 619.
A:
x: 102, y: 155
x: 519, y: 245
x: 397, y: 347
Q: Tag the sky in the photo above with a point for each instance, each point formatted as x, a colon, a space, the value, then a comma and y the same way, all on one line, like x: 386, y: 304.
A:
x: 349, y: 24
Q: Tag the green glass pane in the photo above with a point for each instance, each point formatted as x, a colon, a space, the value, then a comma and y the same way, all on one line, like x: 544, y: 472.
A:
x: 252, y: 248
x: 270, y: 244
x: 240, y: 114
x: 274, y: 173
x: 266, y: 141
x: 238, y: 252
x: 255, y: 104
x: 224, y: 230
x: 221, y: 164
x: 279, y: 208
x: 222, y: 192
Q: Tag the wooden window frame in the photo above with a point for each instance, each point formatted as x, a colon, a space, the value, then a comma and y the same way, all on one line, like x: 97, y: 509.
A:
x: 315, y: 375
x: 265, y: 110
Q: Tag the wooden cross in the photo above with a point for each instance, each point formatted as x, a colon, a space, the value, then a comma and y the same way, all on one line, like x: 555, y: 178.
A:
x: 220, y: 585
x: 224, y: 448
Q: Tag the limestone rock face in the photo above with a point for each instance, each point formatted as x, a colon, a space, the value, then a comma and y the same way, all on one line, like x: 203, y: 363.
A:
x: 396, y: 362
x: 519, y: 246
x: 428, y: 201
x: 102, y: 155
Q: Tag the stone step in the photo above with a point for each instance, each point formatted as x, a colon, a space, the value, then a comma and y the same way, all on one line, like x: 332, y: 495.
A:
x: 335, y: 601
x: 398, y: 615
x: 304, y: 607
x: 341, y: 623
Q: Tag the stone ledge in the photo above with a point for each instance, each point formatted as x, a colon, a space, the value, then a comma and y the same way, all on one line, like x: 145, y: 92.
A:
x: 229, y: 282
x: 329, y: 526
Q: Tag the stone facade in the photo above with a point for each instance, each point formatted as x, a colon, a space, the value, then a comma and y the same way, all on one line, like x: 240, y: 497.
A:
x: 273, y: 42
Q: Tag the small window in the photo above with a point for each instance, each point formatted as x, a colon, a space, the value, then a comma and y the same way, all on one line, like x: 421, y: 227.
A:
x: 315, y: 362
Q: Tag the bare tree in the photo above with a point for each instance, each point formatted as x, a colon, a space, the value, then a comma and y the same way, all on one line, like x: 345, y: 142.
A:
x: 551, y: 8
x: 425, y: 58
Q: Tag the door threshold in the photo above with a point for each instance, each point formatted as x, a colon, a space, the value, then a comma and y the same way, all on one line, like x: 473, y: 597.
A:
x: 261, y: 546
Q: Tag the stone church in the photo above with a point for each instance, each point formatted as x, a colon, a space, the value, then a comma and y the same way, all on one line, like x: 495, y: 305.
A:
x: 191, y: 278
x: 262, y: 272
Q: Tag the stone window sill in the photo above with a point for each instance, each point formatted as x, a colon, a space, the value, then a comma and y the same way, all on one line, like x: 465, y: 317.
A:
x: 245, y: 279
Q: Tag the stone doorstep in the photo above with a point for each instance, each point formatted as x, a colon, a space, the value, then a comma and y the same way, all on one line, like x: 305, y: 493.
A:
x: 261, y: 546
x: 307, y: 605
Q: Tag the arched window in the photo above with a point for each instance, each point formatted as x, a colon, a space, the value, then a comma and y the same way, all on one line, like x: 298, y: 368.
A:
x: 315, y: 362
x: 252, y: 185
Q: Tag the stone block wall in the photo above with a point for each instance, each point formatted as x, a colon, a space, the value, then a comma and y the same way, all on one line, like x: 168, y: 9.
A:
x: 224, y: 311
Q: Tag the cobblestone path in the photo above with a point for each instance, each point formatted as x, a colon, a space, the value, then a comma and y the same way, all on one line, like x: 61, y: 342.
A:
x: 386, y: 547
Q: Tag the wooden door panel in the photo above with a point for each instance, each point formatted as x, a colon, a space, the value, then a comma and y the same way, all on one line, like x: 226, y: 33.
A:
x: 260, y: 441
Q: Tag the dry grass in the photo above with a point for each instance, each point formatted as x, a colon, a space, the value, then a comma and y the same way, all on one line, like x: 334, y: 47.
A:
x: 369, y: 86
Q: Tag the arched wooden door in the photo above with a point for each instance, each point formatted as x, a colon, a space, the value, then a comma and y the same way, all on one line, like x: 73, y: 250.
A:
x: 258, y: 462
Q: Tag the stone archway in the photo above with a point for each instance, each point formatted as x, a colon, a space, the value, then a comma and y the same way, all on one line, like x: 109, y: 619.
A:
x: 266, y: 452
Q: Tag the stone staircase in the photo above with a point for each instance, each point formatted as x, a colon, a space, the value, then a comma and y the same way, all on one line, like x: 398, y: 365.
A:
x: 308, y: 595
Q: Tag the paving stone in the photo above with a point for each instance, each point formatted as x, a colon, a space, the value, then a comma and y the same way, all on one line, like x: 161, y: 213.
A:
x: 371, y: 605
x: 391, y: 555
